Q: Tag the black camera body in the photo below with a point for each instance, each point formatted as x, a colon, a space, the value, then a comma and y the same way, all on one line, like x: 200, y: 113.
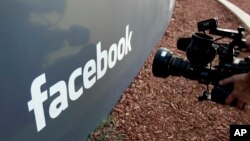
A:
x: 201, y: 50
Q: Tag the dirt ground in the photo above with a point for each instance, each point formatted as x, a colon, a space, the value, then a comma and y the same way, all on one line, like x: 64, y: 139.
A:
x: 156, y: 109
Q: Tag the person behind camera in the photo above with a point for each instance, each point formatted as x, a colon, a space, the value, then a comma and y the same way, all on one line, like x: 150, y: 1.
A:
x: 241, y: 82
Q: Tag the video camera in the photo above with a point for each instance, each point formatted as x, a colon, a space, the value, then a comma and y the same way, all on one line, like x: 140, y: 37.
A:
x: 201, y: 50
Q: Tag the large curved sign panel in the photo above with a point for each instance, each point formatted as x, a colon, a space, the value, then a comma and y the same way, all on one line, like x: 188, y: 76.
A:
x: 65, y: 63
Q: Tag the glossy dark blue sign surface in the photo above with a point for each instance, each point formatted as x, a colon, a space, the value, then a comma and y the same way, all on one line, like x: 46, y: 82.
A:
x: 65, y: 63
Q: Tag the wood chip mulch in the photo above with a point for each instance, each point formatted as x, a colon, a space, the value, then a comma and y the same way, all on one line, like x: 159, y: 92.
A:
x: 156, y: 109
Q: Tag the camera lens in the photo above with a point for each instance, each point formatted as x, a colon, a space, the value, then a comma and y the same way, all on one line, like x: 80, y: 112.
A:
x: 165, y: 64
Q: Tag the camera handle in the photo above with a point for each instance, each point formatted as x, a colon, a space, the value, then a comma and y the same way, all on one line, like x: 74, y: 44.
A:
x: 236, y: 35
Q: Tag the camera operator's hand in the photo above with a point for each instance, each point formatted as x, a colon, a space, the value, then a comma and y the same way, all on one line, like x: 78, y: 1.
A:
x: 241, y: 90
